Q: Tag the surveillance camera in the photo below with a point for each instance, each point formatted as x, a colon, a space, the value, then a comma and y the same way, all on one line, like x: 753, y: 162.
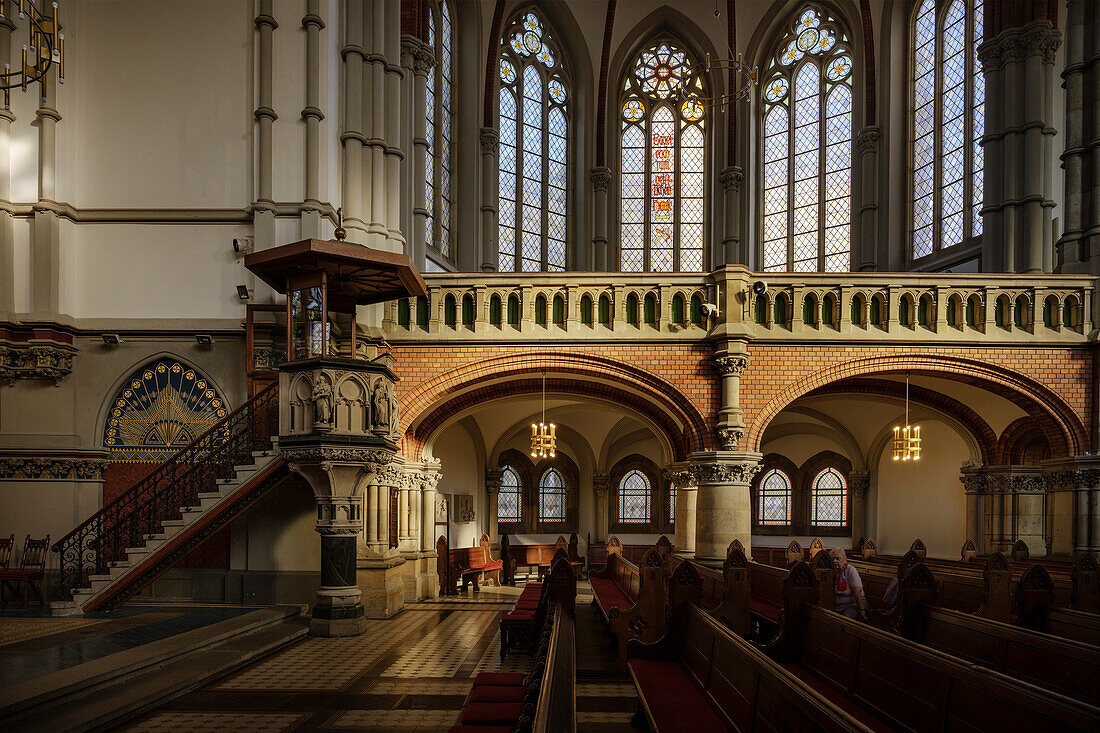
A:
x: 710, y: 310
x: 112, y: 339
x: 242, y: 245
x: 204, y: 339
x: 242, y: 292
x: 759, y: 287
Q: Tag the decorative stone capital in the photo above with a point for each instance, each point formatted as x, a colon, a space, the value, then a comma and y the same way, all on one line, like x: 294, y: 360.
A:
x: 373, y: 459
x: 725, y: 472
x: 1017, y: 44
x: 601, y: 482
x: 600, y: 178
x: 680, y: 477
x: 490, y: 141
x: 730, y: 437
x: 493, y: 481
x: 339, y: 516
x: 36, y: 361
x: 731, y: 366
x: 859, y: 482
x: 731, y: 178
x: 867, y: 140
x: 59, y: 468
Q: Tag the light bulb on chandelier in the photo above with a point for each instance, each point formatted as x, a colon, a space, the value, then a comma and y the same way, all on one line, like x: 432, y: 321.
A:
x: 544, y: 435
x: 907, y: 443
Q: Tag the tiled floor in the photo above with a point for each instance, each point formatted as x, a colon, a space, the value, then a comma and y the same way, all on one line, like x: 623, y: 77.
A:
x: 408, y: 674
x: 26, y: 656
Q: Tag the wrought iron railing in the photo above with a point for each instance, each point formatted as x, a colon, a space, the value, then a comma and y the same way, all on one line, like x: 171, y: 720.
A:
x: 126, y: 520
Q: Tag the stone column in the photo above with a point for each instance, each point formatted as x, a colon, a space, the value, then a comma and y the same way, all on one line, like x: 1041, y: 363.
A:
x: 865, y: 256
x: 723, y: 510
x: 46, y: 234
x: 336, y: 476
x: 312, y: 115
x: 686, y: 495
x: 418, y: 58
x: 858, y: 483
x: 731, y: 365
x: 493, y: 481
x: 600, y: 178
x: 733, y: 252
x: 263, y: 208
x: 1073, y: 487
x: 600, y: 486
x: 975, y: 486
x: 381, y: 568
x: 429, y: 479
x: 353, y: 137
x: 490, y: 149
x: 7, y: 221
x: 403, y: 529
x: 1018, y: 64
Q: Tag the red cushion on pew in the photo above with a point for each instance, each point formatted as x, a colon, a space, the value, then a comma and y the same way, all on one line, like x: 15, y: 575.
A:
x: 532, y: 604
x: 609, y: 594
x: 763, y: 608
x: 478, y: 713
x: 510, y: 693
x: 676, y: 703
x: 499, y: 679
x: 495, y: 565
x: 517, y: 617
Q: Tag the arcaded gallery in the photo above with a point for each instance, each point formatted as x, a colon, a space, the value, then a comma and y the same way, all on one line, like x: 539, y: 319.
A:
x: 543, y: 366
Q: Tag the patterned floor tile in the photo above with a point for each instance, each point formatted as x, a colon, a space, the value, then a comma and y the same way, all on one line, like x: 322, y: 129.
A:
x: 396, y: 720
x: 198, y: 722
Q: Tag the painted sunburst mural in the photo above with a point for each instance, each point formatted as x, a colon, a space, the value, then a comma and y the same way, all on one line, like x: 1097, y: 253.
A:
x: 163, y: 407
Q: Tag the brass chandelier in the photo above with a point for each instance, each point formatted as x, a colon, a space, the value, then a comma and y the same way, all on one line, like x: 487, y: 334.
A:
x: 544, y: 436
x: 907, y: 438
x: 45, y: 47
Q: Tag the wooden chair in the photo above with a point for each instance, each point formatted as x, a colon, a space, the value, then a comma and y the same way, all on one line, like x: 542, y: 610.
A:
x: 32, y: 569
x: 6, y: 548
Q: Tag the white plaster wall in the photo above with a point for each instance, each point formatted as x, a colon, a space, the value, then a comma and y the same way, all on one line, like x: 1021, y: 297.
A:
x: 462, y: 474
x: 68, y: 502
x: 923, y: 499
x: 278, y: 533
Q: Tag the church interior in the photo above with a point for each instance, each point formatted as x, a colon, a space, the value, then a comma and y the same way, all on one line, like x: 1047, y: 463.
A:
x: 508, y: 366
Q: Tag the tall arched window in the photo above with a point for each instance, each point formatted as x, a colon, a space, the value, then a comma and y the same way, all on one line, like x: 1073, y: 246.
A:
x: 437, y: 108
x: 552, y: 496
x: 534, y: 132
x: 948, y: 124
x: 662, y: 156
x: 829, y: 499
x: 807, y: 150
x: 635, y: 495
x: 510, y: 498
x: 775, y: 499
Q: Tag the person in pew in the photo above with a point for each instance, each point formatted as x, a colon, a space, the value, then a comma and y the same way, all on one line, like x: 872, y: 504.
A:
x: 850, y: 600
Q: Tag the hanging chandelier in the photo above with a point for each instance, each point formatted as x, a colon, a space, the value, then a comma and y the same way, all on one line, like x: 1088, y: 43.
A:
x: 45, y: 47
x: 544, y: 435
x: 742, y: 79
x: 907, y: 439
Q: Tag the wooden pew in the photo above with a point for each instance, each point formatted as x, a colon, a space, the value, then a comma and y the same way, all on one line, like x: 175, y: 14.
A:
x: 597, y: 554
x: 908, y: 686
x: 699, y: 676
x: 536, y: 556
x: 1034, y: 596
x: 556, y: 711
x: 527, y: 615
x: 465, y: 564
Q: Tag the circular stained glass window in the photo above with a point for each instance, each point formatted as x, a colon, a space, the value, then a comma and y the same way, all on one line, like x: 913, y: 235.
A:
x: 809, y: 19
x: 546, y: 56
x: 691, y: 110
x: 531, y: 41
x: 827, y: 41
x: 517, y: 45
x: 557, y: 91
x: 807, y: 39
x: 661, y: 71
x: 531, y: 23
x: 838, y: 68
x: 633, y: 110
x: 776, y: 89
x: 507, y: 72
x: 791, y: 55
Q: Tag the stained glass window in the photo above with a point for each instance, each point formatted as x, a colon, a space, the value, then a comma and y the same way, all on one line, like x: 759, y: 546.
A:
x: 551, y: 496
x: 948, y: 124
x: 634, y: 498
x: 662, y: 164
x: 438, y: 106
x: 829, y: 499
x: 774, y: 508
x: 533, y: 112
x: 807, y: 148
x: 509, y: 499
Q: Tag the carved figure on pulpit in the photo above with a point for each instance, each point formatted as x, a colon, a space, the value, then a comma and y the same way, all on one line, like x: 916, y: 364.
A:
x: 322, y: 402
x: 380, y: 406
x: 395, y: 416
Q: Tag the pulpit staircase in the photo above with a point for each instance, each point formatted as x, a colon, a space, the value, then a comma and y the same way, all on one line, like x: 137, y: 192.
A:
x: 141, y: 533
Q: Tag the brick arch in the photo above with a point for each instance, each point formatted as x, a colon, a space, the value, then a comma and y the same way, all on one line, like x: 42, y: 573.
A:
x: 427, y: 407
x: 1068, y: 436
x: 1023, y: 441
x: 978, y: 427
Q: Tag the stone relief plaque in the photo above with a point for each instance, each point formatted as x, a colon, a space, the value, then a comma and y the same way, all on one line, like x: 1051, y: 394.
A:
x: 465, y: 508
